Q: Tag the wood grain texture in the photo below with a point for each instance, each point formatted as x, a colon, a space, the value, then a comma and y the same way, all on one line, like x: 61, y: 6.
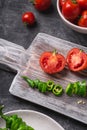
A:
x: 63, y: 104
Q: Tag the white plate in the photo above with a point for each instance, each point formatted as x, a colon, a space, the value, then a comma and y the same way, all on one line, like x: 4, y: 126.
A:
x: 35, y: 119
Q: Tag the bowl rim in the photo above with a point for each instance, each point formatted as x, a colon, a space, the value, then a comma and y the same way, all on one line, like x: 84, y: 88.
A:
x: 71, y: 24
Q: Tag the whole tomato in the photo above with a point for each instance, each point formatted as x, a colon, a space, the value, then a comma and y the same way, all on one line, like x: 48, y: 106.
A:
x: 82, y: 3
x: 42, y: 5
x: 52, y: 62
x: 61, y: 2
x: 71, y: 10
x: 83, y: 19
x: 28, y: 18
x: 76, y: 59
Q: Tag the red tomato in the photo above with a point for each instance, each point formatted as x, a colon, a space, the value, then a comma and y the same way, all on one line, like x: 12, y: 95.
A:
x: 83, y: 19
x: 42, y: 5
x: 62, y: 2
x: 76, y: 59
x: 82, y: 3
x: 52, y: 62
x: 70, y: 10
x: 28, y: 18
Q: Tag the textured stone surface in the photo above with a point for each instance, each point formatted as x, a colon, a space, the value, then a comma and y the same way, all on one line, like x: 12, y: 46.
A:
x: 12, y: 29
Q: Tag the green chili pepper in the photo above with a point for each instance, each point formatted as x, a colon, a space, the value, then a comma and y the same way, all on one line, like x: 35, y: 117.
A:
x: 42, y: 87
x: 80, y: 88
x: 13, y: 122
x: 9, y: 120
x: 50, y: 85
x: 83, y: 88
x: 3, y: 129
x: 36, y: 82
x: 77, y: 88
x: 69, y: 89
x: 16, y: 124
x: 29, y: 81
x: 57, y: 90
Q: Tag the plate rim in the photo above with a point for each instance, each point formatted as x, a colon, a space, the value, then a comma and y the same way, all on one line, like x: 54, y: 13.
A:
x: 34, y: 112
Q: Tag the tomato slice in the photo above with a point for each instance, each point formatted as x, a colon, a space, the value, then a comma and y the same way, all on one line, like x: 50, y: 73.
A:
x: 76, y: 59
x: 52, y: 62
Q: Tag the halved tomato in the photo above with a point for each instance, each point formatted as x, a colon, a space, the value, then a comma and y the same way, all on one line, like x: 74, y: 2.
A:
x: 52, y: 62
x: 76, y: 59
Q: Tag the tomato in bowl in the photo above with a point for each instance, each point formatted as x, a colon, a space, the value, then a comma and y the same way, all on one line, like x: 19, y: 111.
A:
x: 73, y: 15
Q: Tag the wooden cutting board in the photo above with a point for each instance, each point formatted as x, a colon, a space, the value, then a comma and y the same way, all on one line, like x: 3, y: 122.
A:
x: 31, y: 68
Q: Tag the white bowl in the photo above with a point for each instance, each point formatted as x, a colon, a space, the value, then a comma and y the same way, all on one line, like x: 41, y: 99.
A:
x: 71, y: 25
x: 35, y: 119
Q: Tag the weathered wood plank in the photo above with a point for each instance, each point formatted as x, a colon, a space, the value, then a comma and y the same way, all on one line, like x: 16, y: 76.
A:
x: 64, y: 104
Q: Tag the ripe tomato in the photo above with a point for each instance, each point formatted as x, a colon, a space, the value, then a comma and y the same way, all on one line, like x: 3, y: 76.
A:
x: 83, y: 19
x: 62, y: 2
x: 52, y: 62
x: 76, y: 59
x: 71, y: 10
x: 28, y: 18
x: 42, y: 5
x: 82, y: 3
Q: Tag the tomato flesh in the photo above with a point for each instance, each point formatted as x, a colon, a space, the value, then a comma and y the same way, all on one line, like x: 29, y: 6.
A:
x: 77, y: 59
x: 52, y: 63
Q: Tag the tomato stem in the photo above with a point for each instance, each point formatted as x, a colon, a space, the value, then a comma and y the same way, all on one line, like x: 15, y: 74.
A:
x: 32, y: 1
x: 81, y: 50
x: 55, y: 52
x: 74, y: 1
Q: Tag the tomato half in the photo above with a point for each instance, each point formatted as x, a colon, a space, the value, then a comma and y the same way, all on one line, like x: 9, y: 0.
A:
x: 71, y: 10
x: 76, y: 59
x: 52, y: 62
x: 83, y: 19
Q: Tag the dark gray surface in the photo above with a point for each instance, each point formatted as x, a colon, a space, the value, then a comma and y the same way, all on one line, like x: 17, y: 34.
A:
x: 12, y: 29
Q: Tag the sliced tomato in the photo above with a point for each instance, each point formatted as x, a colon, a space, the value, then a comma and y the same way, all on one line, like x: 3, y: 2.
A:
x: 76, y: 59
x: 52, y: 62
